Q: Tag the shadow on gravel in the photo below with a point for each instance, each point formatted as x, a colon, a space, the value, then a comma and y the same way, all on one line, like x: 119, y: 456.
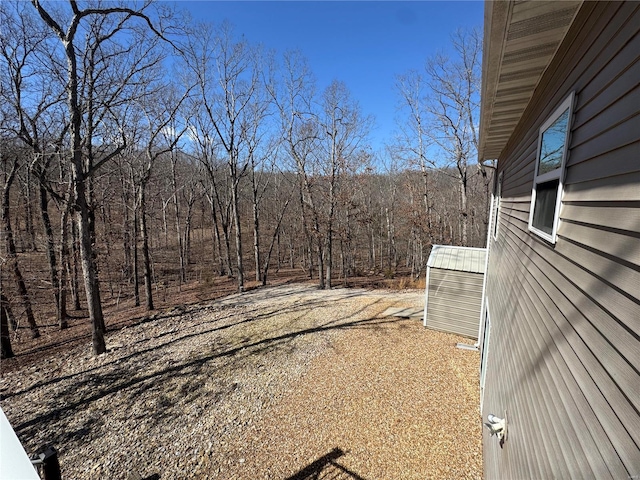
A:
x: 252, y: 315
x: 131, y: 384
x: 136, y: 476
x: 326, y: 467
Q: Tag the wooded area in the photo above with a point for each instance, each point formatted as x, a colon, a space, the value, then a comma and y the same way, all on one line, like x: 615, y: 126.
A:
x: 139, y: 149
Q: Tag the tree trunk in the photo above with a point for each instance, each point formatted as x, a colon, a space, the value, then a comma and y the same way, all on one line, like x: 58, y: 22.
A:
x: 320, y: 253
x: 236, y: 220
x: 371, y: 256
x: 64, y: 258
x: 12, y: 256
x: 84, y: 222
x: 307, y: 236
x: 187, y: 230
x: 427, y: 204
x: 146, y: 257
x: 225, y: 217
x: 83, y: 213
x: 88, y: 182
x: 464, y: 214
x: 256, y: 226
x: 274, y: 238
x: 329, y: 254
x: 174, y: 184
x: 227, y: 247
x: 5, y: 335
x: 329, y: 259
x: 91, y: 282
x: 28, y: 218
x: 165, y: 227
x: 127, y: 242
x: 278, y: 252
x: 136, y: 264
x: 74, y: 274
x: 51, y: 253
x: 343, y: 264
x: 292, y: 263
x: 217, y: 245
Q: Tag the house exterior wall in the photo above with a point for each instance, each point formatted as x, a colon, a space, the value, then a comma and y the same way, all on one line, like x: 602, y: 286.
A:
x: 454, y: 300
x: 564, y: 353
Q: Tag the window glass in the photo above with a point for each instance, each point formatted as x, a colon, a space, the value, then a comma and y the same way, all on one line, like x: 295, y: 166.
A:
x: 552, y: 145
x: 551, y: 161
x: 545, y: 207
x: 496, y: 204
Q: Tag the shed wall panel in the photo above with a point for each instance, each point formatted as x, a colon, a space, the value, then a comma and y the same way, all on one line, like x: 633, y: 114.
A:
x: 454, y: 301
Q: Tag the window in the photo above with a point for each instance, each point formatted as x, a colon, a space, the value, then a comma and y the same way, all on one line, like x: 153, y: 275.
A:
x: 484, y: 350
x: 496, y: 205
x: 549, y: 175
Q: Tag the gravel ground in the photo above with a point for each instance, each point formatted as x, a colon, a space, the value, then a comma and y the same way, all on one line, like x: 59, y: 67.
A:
x: 282, y: 382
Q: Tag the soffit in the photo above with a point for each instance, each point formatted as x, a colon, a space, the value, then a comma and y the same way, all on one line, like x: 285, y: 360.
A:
x: 520, y: 39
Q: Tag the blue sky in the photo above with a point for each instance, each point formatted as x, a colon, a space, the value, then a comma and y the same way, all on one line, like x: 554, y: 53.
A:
x: 364, y: 44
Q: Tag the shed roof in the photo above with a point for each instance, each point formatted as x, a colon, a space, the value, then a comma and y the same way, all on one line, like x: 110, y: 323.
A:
x: 462, y: 259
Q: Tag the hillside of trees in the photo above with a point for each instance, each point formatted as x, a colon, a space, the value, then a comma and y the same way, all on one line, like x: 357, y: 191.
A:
x: 140, y: 150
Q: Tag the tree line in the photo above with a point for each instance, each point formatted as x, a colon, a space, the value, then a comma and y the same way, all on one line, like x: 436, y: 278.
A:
x: 136, y: 144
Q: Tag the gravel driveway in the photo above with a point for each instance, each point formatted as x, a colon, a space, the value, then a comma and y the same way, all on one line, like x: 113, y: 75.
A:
x: 286, y: 382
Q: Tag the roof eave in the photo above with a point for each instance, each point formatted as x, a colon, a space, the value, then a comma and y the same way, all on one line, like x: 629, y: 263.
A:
x: 520, y: 39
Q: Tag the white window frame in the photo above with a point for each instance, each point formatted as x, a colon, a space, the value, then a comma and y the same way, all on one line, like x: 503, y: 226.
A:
x: 496, y: 208
x: 557, y: 174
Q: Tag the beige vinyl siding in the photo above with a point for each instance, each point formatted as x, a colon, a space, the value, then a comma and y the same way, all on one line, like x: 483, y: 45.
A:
x: 454, y: 301
x: 564, y: 355
x: 546, y: 398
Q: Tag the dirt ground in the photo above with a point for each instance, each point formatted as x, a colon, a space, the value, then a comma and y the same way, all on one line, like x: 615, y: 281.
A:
x: 120, y: 311
x: 279, y: 382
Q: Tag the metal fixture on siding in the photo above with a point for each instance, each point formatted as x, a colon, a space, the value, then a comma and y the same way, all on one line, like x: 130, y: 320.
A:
x: 497, y: 426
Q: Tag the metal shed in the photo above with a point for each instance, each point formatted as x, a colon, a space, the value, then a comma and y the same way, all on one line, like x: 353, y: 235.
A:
x: 453, y: 295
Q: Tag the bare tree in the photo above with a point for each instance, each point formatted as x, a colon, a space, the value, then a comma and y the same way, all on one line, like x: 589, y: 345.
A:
x: 279, y: 209
x: 96, y: 134
x: 414, y: 139
x: 441, y: 126
x: 258, y: 150
x: 33, y: 96
x: 174, y: 156
x: 343, y: 129
x: 9, y: 163
x: 206, y: 146
x: 191, y: 180
x: 157, y: 111
x: 389, y: 191
x: 100, y: 27
x: 294, y: 97
x: 454, y: 104
x: 5, y: 335
x: 226, y: 73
